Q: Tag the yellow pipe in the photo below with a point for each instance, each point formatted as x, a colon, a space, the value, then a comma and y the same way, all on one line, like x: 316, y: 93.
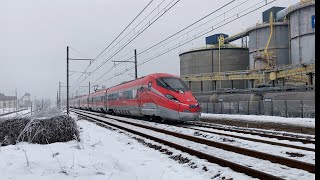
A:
x: 269, y: 40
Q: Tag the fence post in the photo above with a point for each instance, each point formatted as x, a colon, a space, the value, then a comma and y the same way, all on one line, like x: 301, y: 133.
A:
x: 207, y: 107
x: 271, y: 107
x: 286, y: 106
x: 221, y: 107
x: 301, y: 105
x: 238, y: 107
x: 230, y: 107
x: 248, y: 108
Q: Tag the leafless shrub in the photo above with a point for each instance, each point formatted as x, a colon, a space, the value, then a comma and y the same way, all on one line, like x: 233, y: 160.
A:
x: 51, y: 126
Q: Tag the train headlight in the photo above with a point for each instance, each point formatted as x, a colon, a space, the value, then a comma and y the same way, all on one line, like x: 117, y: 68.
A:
x: 169, y: 96
x: 194, y: 106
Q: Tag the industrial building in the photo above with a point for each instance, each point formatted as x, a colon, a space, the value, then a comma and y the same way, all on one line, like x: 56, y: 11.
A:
x: 271, y: 74
x: 7, y: 101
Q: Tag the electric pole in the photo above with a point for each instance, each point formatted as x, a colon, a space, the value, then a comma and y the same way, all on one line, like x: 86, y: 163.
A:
x: 59, y: 100
x: 135, y: 64
x: 71, y: 59
x: 68, y: 80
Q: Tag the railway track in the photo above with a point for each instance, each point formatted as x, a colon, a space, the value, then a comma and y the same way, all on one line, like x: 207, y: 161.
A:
x: 12, y: 112
x: 257, y: 140
x: 253, y: 132
x: 237, y: 167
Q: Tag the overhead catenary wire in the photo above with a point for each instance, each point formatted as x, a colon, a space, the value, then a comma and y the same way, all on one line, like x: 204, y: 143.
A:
x: 124, y: 29
x: 115, y: 39
x: 196, y: 37
x: 140, y: 32
x: 144, y: 51
x: 199, y: 20
x: 138, y: 24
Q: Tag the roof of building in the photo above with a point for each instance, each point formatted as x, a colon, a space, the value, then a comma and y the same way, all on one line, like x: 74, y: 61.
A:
x: 7, y: 98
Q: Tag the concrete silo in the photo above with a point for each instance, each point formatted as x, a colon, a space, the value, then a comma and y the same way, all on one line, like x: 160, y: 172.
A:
x: 207, y: 61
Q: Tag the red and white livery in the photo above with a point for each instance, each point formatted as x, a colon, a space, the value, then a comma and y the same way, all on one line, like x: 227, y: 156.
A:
x: 157, y: 95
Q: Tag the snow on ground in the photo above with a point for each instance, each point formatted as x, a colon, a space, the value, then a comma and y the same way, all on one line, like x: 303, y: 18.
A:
x: 101, y: 154
x: 303, y: 122
x: 308, y: 156
x: 6, y: 110
x: 16, y: 114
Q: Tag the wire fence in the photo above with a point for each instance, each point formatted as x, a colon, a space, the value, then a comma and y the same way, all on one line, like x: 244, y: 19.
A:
x: 284, y: 108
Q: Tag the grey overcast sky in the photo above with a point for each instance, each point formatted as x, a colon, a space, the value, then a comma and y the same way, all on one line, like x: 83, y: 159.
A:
x: 34, y: 35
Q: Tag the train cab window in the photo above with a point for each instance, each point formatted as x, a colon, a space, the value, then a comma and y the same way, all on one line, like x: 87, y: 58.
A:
x: 172, y: 83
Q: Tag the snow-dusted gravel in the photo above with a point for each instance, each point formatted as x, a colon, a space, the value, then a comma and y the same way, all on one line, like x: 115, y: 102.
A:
x: 301, y: 122
x: 308, y: 156
x: 15, y: 114
x: 101, y: 154
x: 275, y: 169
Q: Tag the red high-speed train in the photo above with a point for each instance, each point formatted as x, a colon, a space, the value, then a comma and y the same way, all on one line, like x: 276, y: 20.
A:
x: 154, y: 96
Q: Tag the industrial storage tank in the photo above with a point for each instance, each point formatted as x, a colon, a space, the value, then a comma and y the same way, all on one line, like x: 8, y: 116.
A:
x: 278, y: 47
x: 302, y: 32
x: 207, y: 61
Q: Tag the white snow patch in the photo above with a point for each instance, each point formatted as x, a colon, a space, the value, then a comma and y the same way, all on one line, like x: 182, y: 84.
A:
x: 101, y: 154
x: 302, y: 122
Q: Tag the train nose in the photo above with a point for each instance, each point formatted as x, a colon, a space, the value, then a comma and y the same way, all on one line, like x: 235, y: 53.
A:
x: 189, y: 112
x: 189, y: 116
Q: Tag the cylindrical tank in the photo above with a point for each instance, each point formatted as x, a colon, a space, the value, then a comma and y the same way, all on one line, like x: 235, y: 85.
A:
x: 302, y: 32
x: 207, y: 61
x: 278, y: 47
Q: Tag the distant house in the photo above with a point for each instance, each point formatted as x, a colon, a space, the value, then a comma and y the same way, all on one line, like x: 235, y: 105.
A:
x: 7, y: 101
x: 25, y: 101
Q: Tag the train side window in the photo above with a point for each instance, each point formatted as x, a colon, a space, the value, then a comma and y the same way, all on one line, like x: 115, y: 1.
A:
x: 128, y: 94
x: 135, y: 93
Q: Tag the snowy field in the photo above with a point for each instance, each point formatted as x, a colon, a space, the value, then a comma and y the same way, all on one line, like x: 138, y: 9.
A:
x: 302, y: 122
x: 15, y: 114
x: 258, y: 164
x: 6, y: 110
x: 101, y: 154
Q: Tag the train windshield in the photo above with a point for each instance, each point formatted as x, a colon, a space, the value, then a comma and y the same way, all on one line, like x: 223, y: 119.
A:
x: 172, y: 83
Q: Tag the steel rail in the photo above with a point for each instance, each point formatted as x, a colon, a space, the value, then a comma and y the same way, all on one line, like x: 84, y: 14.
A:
x: 257, y: 140
x: 210, y: 158
x: 252, y: 153
x: 304, y: 141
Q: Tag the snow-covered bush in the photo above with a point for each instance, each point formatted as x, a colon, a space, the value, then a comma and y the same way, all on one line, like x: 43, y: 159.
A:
x: 45, y: 127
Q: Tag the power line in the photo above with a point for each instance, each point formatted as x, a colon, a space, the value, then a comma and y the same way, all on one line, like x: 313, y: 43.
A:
x: 218, y: 9
x: 138, y: 24
x: 140, y: 32
x: 115, y: 38
x: 196, y: 37
x: 125, y: 28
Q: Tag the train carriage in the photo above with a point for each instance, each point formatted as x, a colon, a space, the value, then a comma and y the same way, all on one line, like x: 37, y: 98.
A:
x: 157, y: 95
